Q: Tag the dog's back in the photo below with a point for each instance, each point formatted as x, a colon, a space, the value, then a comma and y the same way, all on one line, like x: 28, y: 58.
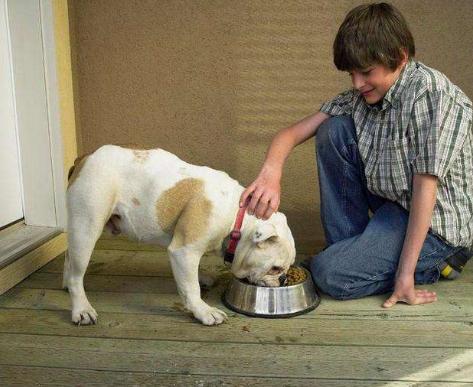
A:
x: 142, y: 193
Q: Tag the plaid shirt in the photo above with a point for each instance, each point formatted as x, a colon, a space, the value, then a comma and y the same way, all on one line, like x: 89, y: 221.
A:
x: 423, y: 125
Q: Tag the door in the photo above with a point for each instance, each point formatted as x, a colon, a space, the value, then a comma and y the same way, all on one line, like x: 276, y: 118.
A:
x: 11, y: 207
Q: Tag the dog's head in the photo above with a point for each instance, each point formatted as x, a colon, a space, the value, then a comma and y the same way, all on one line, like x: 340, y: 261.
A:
x: 265, y: 251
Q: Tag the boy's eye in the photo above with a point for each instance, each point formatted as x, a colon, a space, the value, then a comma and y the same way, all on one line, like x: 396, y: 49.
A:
x: 362, y: 72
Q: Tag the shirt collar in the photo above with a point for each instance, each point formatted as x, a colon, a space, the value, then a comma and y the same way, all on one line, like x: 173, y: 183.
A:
x: 392, y: 97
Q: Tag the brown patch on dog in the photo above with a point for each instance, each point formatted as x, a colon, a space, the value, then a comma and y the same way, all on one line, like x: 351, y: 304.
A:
x: 136, y: 202
x: 74, y: 171
x: 183, y: 211
x: 141, y: 155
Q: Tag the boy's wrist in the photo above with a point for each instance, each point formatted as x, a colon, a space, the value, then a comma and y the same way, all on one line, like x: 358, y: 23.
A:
x: 405, y: 272
x: 275, y: 171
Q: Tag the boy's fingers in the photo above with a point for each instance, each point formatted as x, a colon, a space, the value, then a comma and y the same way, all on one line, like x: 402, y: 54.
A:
x: 268, y: 213
x: 262, y: 206
x: 247, y: 192
x: 253, y: 202
x: 425, y: 297
x: 270, y: 210
x: 426, y: 294
x: 390, y: 302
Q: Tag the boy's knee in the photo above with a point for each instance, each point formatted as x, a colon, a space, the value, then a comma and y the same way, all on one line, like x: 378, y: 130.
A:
x: 328, y: 278
x: 335, y: 130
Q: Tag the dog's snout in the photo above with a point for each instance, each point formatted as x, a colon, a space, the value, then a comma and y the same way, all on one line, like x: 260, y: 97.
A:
x: 282, y: 279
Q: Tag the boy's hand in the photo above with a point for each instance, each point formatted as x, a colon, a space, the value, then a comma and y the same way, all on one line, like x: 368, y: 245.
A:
x: 404, y: 291
x: 265, y: 194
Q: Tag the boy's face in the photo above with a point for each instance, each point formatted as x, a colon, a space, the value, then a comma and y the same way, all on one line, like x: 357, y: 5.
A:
x: 374, y: 82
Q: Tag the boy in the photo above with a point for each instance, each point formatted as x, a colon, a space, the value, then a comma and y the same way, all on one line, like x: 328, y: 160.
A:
x: 400, y: 144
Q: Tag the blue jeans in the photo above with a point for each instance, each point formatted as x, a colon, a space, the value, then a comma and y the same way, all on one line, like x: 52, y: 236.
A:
x: 362, y: 252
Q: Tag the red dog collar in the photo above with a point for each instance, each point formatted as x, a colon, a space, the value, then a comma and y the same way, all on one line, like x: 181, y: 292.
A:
x: 235, y: 235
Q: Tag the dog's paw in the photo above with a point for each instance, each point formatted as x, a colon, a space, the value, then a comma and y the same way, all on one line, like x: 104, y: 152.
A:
x: 85, y: 316
x: 210, y: 316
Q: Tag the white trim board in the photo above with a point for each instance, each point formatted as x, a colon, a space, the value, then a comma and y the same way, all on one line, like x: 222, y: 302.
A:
x: 31, y: 27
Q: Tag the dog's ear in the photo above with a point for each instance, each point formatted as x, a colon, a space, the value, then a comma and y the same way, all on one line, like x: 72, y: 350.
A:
x: 264, y: 233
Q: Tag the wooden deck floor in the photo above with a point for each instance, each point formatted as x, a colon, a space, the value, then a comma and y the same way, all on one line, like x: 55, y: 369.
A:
x: 145, y: 338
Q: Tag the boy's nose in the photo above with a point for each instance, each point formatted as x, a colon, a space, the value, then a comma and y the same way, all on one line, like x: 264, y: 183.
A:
x: 357, y: 81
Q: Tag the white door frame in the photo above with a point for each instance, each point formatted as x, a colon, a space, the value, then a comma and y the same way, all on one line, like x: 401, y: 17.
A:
x: 33, y: 53
x: 11, y: 191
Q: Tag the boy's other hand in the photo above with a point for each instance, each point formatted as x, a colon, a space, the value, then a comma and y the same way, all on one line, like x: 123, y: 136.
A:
x: 404, y: 291
x: 265, y: 194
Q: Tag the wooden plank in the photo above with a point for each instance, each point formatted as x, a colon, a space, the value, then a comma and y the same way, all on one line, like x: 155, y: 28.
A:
x: 244, y: 330
x: 447, y: 290
x: 459, y: 309
x: 235, y: 359
x: 145, y: 263
x: 454, y: 301
x: 104, y: 283
x: 107, y: 242
x: 156, y: 263
x: 26, y: 376
x: 450, y: 307
x: 15, y: 272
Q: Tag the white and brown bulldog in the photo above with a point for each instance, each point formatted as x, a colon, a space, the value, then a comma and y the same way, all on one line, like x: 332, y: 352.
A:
x: 154, y: 197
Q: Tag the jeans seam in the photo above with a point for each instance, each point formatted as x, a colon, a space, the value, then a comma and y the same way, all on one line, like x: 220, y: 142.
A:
x: 433, y: 252
x: 344, y: 152
x: 347, y: 284
x: 344, y: 193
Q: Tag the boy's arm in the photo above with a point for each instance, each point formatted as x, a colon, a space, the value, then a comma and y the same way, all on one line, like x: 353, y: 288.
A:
x: 265, y: 190
x: 422, y: 205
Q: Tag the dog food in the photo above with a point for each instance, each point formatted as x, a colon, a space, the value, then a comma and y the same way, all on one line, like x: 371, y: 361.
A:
x: 295, y: 275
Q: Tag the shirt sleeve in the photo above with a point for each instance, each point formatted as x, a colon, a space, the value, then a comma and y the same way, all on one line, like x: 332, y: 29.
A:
x: 440, y: 125
x: 342, y: 104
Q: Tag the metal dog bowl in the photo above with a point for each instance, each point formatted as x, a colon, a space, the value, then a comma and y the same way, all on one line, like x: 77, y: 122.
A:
x: 273, y: 302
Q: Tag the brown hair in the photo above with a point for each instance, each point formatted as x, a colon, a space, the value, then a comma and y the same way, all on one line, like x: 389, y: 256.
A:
x: 372, y: 34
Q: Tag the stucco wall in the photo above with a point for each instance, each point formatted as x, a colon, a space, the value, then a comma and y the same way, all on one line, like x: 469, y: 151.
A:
x: 213, y: 81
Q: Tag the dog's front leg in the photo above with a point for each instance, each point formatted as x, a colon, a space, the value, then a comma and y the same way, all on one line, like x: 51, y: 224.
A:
x: 185, y: 267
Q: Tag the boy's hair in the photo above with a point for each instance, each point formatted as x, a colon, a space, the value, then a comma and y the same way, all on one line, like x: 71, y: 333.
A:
x: 372, y: 34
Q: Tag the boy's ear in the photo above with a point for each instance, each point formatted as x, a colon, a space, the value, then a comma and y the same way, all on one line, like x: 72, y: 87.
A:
x: 405, y: 56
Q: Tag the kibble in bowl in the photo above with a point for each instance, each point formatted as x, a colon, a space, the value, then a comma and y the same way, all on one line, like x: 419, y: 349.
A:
x: 295, y: 275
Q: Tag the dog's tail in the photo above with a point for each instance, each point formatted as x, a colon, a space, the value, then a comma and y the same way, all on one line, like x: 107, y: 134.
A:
x: 75, y: 169
x: 79, y: 161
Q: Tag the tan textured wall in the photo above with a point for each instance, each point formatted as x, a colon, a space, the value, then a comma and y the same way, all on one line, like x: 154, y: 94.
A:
x: 213, y: 81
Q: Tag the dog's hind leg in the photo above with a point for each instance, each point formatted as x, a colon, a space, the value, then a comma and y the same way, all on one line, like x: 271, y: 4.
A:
x: 87, y: 215
x: 81, y: 244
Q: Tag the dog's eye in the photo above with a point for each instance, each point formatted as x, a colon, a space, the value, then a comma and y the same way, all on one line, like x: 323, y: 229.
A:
x: 276, y: 270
